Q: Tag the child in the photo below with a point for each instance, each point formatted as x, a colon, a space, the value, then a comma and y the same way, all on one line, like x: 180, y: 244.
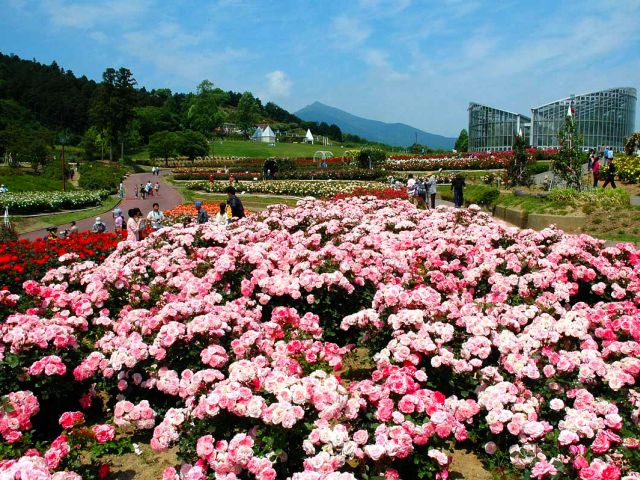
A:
x: 222, y: 217
x: 142, y: 191
x: 156, y: 188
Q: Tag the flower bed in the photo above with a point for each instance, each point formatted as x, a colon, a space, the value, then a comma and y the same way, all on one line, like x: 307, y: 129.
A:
x: 465, y: 161
x: 38, y: 202
x: 300, y: 188
x: 204, y: 174
x: 628, y: 168
x: 26, y: 260
x: 187, y: 212
x: 381, y: 193
x: 239, y: 346
x: 321, y: 174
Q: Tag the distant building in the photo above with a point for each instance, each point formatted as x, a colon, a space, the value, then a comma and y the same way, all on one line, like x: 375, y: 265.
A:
x: 265, y: 135
x: 493, y: 130
x: 604, y: 118
x: 308, y: 138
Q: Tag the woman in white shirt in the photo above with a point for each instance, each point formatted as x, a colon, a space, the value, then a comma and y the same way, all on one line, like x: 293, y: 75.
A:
x: 133, y: 224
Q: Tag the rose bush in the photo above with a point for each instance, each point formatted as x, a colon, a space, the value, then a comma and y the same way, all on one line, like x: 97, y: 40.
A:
x: 348, y: 339
x: 300, y: 188
x: 26, y: 260
x: 38, y: 202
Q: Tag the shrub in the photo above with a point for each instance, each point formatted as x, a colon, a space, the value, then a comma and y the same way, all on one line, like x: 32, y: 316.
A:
x: 628, y: 168
x: 100, y: 176
x: 38, y: 202
x: 371, y: 157
x: 483, y: 195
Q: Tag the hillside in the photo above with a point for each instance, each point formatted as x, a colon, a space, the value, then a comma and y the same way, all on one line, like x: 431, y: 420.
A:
x: 398, y: 134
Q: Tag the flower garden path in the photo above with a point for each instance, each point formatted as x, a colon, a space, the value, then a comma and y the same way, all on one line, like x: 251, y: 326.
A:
x: 168, y: 198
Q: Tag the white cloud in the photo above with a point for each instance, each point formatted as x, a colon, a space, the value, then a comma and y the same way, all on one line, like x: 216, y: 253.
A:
x: 99, y: 37
x: 384, y: 7
x: 63, y: 13
x: 348, y: 32
x: 278, y: 84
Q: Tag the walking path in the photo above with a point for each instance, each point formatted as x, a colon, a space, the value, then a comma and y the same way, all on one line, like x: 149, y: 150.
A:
x: 168, y: 197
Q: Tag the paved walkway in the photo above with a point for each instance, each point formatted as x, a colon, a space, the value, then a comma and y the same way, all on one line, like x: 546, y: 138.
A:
x: 168, y: 197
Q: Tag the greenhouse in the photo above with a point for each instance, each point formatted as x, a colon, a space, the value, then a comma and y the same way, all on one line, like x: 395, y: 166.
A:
x: 604, y: 118
x: 491, y: 129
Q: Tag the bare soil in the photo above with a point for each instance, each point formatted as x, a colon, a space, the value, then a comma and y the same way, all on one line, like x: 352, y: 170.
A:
x: 147, y: 466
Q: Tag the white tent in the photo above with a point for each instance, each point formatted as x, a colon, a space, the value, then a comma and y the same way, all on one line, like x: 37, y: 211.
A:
x: 308, y: 138
x: 268, y: 136
x: 257, y: 135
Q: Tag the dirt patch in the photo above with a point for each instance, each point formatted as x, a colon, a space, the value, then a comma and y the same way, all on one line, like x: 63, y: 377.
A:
x: 467, y: 465
x: 149, y: 465
x: 622, y: 224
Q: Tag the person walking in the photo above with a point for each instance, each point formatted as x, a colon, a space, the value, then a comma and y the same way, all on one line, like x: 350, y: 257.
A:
x: 432, y: 190
x: 142, y: 192
x: 610, y: 175
x: 595, y: 169
x: 73, y: 229
x: 121, y: 190
x: 237, y: 209
x: 203, y: 216
x: 457, y: 185
x: 155, y: 217
x: 156, y: 187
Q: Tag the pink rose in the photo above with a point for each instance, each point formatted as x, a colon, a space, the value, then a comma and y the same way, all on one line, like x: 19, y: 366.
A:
x: 104, y: 433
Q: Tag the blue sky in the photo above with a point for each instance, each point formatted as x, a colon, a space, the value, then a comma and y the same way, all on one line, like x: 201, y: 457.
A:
x: 417, y: 62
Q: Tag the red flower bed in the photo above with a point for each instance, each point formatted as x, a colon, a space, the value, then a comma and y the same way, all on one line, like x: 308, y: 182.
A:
x: 383, y: 194
x: 27, y: 260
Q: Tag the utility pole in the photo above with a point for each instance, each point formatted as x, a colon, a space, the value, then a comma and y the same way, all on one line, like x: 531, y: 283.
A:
x: 64, y: 174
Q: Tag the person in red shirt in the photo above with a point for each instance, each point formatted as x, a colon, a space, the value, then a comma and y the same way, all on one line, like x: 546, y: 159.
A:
x: 596, y: 170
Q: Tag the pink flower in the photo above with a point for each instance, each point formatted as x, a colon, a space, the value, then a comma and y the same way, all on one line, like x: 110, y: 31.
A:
x: 71, y: 419
x: 104, y: 433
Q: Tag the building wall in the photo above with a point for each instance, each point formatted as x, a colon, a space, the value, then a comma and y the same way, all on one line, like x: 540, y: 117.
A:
x: 604, y: 118
x: 493, y: 130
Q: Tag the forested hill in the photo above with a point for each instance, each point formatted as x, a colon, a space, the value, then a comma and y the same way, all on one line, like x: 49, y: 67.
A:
x: 49, y: 96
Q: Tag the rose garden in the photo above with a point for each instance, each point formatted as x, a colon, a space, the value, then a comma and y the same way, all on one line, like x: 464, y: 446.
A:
x: 351, y: 336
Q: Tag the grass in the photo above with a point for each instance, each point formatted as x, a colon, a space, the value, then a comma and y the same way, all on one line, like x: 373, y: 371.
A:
x: 30, y: 224
x: 531, y: 204
x: 246, y: 148
x: 18, y: 180
x: 252, y: 202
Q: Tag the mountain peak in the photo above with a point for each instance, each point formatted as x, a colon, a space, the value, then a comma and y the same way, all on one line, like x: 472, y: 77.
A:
x: 396, y: 134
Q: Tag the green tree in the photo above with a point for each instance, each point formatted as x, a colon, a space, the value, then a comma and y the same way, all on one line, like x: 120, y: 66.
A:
x: 568, y: 162
x: 27, y: 145
x: 163, y: 145
x: 370, y: 157
x: 113, y: 102
x: 248, y: 111
x: 518, y: 167
x: 462, y: 143
x: 154, y: 119
x: 192, y: 144
x: 203, y: 113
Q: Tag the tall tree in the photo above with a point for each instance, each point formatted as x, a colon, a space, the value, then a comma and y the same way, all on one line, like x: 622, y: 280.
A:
x: 248, y: 111
x: 113, y: 103
x: 462, y: 143
x: 203, y: 113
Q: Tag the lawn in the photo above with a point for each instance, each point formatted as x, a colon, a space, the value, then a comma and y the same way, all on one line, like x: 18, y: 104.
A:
x: 19, y: 180
x: 252, y: 202
x: 29, y: 224
x: 239, y: 148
